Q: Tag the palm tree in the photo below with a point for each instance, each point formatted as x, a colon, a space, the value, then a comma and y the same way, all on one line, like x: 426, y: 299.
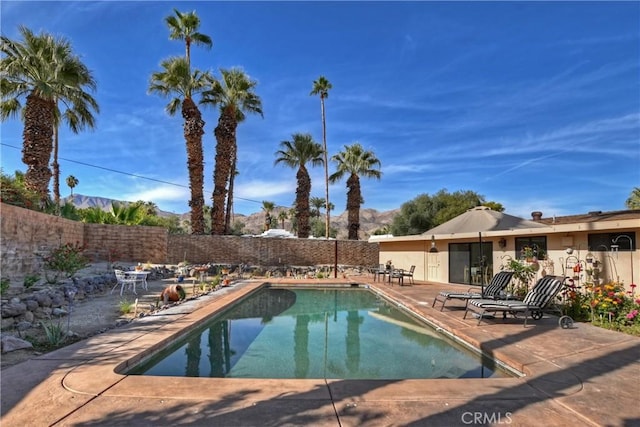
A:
x: 283, y: 215
x: 72, y: 181
x: 178, y: 82
x: 296, y: 154
x: 356, y: 162
x: 77, y: 117
x: 234, y: 95
x: 184, y: 26
x: 317, y: 203
x: 633, y: 202
x: 46, y: 71
x: 321, y: 87
x: 267, y: 207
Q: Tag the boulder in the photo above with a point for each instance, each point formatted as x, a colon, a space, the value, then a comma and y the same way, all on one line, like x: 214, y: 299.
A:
x: 10, y: 343
x: 13, y: 309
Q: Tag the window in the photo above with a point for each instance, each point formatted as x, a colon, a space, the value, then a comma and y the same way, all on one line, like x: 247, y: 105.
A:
x: 622, y: 242
x: 537, y: 243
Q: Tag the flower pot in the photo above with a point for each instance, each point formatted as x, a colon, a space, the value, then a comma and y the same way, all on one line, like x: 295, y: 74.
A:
x: 173, y: 293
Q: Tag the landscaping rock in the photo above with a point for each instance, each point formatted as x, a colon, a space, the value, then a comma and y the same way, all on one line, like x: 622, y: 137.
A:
x: 10, y: 343
x: 13, y: 309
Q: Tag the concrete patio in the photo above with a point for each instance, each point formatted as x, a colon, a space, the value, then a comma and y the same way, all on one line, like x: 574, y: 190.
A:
x: 581, y: 376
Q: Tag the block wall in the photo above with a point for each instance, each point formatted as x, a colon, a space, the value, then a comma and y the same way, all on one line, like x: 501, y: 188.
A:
x: 270, y: 251
x: 26, y: 235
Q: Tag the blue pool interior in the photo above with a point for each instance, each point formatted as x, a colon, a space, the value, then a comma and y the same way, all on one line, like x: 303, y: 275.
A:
x: 336, y: 333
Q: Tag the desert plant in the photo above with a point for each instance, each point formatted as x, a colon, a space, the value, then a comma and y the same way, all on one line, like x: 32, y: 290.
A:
x: 125, y: 306
x: 68, y: 259
x: 4, y: 285
x: 30, y: 280
x: 54, y: 332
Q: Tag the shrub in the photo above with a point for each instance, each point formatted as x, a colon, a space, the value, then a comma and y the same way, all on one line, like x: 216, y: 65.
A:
x: 30, y: 280
x: 125, y: 306
x: 67, y: 259
x: 4, y: 285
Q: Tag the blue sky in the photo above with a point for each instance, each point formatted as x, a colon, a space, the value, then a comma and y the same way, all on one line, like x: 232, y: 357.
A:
x: 535, y: 105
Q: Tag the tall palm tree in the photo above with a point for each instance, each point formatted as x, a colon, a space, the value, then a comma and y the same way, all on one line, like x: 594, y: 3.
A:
x: 321, y: 87
x: 296, y: 154
x: 234, y: 95
x: 357, y: 162
x: 267, y: 207
x: 45, y: 70
x: 72, y: 181
x: 77, y: 117
x: 184, y: 26
x: 176, y: 81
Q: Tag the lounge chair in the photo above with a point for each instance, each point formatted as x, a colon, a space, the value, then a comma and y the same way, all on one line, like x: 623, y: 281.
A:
x: 498, y: 283
x: 534, y: 303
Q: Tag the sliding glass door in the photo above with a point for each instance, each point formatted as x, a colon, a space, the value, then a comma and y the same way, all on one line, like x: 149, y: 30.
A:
x: 470, y: 264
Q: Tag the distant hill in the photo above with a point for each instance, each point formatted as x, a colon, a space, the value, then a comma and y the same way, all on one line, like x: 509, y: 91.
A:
x: 370, y: 219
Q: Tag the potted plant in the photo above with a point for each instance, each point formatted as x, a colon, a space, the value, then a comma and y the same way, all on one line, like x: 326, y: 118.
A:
x: 523, y: 274
x: 528, y: 254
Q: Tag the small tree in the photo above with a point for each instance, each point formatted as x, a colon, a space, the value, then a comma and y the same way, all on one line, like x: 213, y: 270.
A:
x: 72, y: 182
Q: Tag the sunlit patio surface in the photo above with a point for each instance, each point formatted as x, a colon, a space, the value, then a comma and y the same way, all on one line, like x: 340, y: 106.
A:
x: 580, y: 376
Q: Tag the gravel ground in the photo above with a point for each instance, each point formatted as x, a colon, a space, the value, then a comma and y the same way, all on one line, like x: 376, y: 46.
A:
x: 96, y: 314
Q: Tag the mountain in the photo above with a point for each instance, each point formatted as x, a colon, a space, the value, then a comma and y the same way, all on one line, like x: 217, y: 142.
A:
x: 370, y: 219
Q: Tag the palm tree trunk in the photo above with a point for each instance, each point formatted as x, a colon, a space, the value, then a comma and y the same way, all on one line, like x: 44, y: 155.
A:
x: 193, y: 131
x: 56, y: 170
x: 326, y: 170
x: 354, y: 198
x: 37, y: 139
x: 232, y: 176
x: 302, y: 202
x: 225, y: 137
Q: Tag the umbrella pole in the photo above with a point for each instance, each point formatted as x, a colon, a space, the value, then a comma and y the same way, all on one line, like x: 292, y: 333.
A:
x: 481, y: 265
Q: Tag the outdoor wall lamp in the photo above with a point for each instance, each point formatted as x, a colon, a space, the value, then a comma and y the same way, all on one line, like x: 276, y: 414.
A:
x: 502, y: 243
x: 433, y: 244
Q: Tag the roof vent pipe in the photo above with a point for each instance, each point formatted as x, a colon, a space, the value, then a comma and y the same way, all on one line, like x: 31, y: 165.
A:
x: 536, y: 215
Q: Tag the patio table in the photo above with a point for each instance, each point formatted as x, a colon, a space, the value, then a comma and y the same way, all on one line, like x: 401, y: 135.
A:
x: 139, y: 276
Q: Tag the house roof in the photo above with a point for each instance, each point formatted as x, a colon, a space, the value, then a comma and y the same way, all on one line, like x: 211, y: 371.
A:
x: 482, y: 218
x: 595, y: 216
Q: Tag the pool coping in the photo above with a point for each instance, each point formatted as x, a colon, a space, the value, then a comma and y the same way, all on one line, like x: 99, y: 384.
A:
x: 86, y: 376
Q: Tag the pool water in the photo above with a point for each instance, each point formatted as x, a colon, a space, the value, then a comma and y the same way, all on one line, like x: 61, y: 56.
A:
x: 337, y: 333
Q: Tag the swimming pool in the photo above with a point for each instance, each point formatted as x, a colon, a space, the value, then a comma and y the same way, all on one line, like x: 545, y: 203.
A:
x: 336, y: 333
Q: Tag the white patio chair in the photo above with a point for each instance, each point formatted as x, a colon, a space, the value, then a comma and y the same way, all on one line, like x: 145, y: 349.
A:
x: 124, y: 280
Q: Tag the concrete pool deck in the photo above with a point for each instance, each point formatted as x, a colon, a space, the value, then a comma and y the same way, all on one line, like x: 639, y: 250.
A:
x: 580, y: 376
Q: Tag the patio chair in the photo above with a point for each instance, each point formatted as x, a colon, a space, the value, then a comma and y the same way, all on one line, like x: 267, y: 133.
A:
x: 409, y: 273
x: 534, y: 303
x: 122, y: 280
x: 498, y: 283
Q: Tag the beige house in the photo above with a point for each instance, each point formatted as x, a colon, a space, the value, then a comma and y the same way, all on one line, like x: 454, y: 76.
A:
x: 471, y: 248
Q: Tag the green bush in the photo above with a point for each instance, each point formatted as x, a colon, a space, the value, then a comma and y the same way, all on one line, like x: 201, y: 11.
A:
x: 4, y: 285
x: 67, y: 259
x: 125, y: 306
x: 30, y: 280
